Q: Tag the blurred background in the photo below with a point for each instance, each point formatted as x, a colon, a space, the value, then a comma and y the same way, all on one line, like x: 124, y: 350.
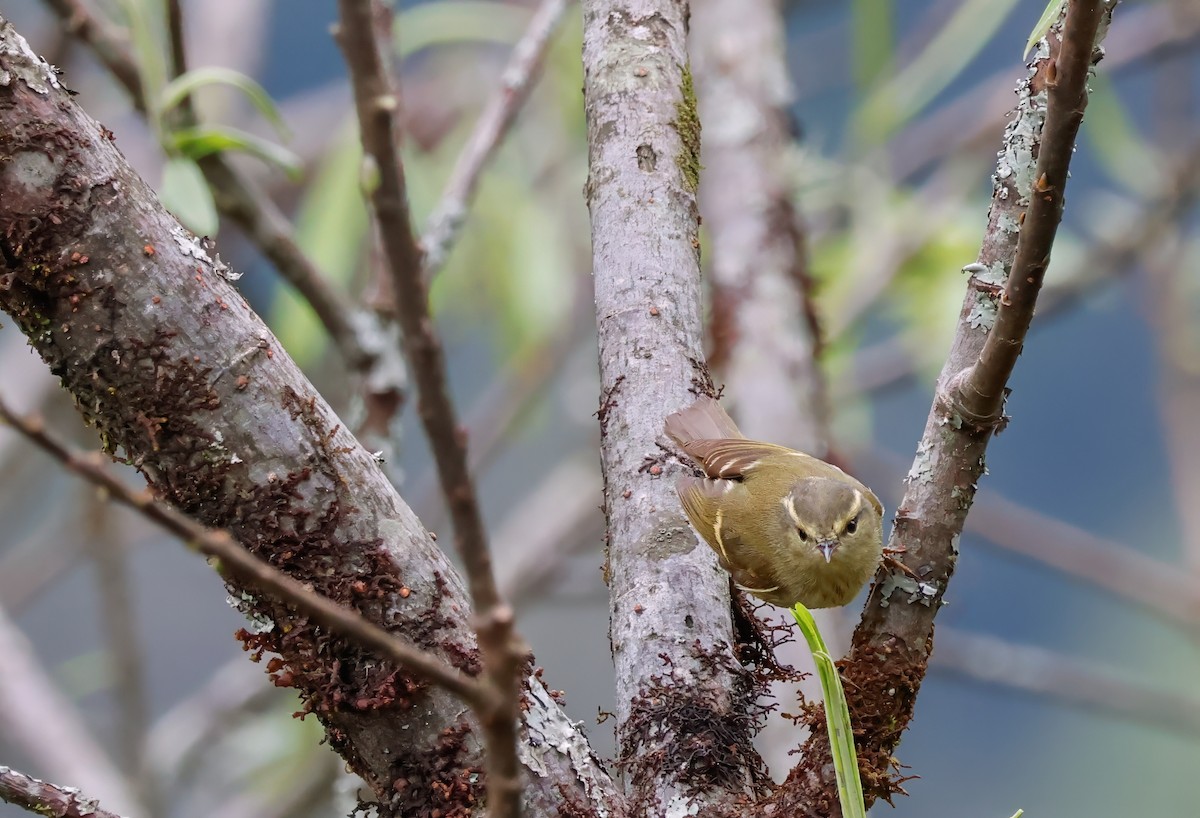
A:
x: 1063, y: 674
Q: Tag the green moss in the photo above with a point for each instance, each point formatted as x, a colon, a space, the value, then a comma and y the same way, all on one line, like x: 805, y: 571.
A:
x: 687, y: 123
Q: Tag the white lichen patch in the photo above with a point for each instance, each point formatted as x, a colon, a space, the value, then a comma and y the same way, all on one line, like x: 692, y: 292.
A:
x: 983, y: 313
x: 549, y: 730
x: 19, y: 62
x: 918, y: 592
x: 922, y: 467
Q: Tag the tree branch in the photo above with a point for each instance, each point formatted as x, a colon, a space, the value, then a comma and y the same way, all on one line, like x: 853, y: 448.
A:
x: 236, y: 562
x: 46, y: 799
x: 980, y: 390
x: 516, y: 81
x: 891, y: 645
x: 359, y: 337
x: 377, y: 104
x: 685, y: 716
x: 167, y: 361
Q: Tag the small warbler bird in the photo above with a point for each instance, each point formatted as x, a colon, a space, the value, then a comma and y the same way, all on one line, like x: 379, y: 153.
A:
x: 788, y: 527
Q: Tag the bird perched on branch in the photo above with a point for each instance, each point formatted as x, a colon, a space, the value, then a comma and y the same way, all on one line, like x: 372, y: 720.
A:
x: 788, y: 527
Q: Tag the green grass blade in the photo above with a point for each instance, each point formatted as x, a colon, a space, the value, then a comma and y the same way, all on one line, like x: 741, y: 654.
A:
x: 837, y: 718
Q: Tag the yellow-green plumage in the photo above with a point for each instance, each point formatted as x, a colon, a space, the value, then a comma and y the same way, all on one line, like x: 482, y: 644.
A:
x: 788, y: 527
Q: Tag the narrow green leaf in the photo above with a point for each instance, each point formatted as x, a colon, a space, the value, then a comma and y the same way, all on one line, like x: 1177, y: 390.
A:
x: 906, y: 93
x: 1049, y: 15
x: 179, y: 88
x: 331, y: 227
x: 204, y: 140
x: 872, y: 32
x: 146, y: 36
x: 458, y: 21
x: 185, y: 193
x: 837, y: 718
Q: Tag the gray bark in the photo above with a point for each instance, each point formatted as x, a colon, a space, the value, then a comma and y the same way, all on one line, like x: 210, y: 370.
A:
x: 180, y: 377
x: 683, y: 729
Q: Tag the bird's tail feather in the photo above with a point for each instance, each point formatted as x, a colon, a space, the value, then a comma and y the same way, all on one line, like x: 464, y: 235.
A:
x: 703, y: 420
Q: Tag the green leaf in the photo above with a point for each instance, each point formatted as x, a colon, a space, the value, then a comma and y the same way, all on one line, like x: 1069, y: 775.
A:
x: 458, y: 21
x: 837, y: 718
x: 1049, y: 15
x: 907, y: 92
x: 872, y: 29
x: 331, y: 229
x: 185, y: 193
x: 205, y: 140
x: 182, y: 86
x: 146, y: 35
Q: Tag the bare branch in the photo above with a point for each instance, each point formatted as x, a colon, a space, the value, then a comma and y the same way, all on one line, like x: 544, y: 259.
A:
x: 37, y: 718
x: 236, y: 560
x: 1072, y: 681
x: 377, y: 104
x: 683, y: 703
x: 979, y: 391
x: 516, y: 81
x: 891, y: 645
x: 175, y: 371
x: 46, y: 799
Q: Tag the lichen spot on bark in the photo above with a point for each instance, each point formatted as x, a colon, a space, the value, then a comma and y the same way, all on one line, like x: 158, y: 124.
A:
x: 668, y: 536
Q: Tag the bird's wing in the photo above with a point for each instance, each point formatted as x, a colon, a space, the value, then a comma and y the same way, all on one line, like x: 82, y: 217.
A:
x: 733, y: 459
x: 701, y: 498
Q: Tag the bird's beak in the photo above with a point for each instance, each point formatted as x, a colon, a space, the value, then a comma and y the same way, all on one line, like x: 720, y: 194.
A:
x: 827, y: 547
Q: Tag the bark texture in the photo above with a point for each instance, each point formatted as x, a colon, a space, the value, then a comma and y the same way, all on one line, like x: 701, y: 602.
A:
x: 892, y: 643
x: 186, y: 383
x: 683, y: 701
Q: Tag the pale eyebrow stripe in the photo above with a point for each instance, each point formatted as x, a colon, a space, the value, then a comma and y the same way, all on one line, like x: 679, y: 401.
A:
x: 854, y: 509
x: 789, y: 503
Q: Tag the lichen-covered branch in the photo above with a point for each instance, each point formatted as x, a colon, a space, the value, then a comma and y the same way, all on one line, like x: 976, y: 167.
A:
x: 891, y: 645
x: 181, y: 379
x: 683, y: 701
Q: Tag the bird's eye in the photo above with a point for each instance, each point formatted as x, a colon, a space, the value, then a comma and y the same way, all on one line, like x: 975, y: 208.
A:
x: 852, y: 526
x: 803, y: 534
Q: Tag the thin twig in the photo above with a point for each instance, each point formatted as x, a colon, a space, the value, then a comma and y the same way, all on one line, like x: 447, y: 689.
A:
x: 505, y: 401
x: 235, y: 559
x: 39, y: 720
x: 42, y: 798
x: 377, y: 105
x: 1072, y: 681
x: 981, y: 389
x: 516, y: 81
x: 358, y: 336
